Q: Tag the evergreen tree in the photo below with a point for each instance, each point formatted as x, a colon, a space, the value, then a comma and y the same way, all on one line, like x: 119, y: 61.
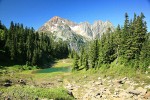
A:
x: 145, y: 54
x: 3, y: 33
x: 81, y: 56
x: 118, y: 42
x: 94, y: 53
x: 75, y: 64
x: 86, y: 64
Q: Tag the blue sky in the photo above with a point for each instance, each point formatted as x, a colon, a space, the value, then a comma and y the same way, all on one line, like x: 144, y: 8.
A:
x: 34, y: 13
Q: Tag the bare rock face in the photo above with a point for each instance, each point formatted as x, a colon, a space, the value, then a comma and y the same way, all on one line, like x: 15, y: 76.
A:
x: 85, y: 30
x: 75, y: 34
x: 56, y: 24
x: 64, y: 28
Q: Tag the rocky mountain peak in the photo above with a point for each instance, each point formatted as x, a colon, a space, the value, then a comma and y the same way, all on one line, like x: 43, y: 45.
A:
x: 64, y: 27
x: 55, y: 19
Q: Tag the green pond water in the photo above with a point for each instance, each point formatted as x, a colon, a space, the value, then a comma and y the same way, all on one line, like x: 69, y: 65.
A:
x: 54, y: 69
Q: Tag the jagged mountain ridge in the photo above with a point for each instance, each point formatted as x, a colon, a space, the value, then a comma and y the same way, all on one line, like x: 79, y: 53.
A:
x: 65, y: 29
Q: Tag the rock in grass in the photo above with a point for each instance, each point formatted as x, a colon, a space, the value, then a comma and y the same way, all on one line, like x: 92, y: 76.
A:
x: 97, y: 94
x: 60, y: 80
x: 7, y: 98
x: 36, y: 98
x: 142, y: 90
x: 99, y: 83
x: 69, y: 86
x: 120, y: 82
x: 134, y: 92
x: 47, y: 99
x: 147, y: 95
x: 21, y: 81
x: 70, y: 93
x: 99, y: 78
x: 7, y: 84
x: 8, y: 81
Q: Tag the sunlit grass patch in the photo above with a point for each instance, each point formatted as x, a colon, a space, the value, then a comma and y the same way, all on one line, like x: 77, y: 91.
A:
x: 30, y: 93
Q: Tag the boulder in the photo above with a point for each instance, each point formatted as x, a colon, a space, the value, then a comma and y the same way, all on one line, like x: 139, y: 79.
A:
x: 99, y: 83
x: 7, y: 84
x: 125, y: 78
x: 21, y: 81
x: 147, y: 87
x: 97, y: 94
x: 70, y: 93
x: 104, y: 96
x: 108, y: 92
x: 59, y: 80
x: 47, y: 99
x: 110, y: 81
x: 8, y: 81
x: 141, y: 90
x: 7, y: 98
x: 134, y: 92
x: 123, y: 94
x: 147, y: 95
x: 99, y: 78
x: 69, y: 86
x: 120, y: 81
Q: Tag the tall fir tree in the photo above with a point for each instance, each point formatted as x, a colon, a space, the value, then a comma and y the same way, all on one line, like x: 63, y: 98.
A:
x: 76, y: 63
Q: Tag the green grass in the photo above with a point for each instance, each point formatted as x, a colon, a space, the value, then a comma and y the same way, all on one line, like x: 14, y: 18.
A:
x: 30, y: 93
x: 61, y: 70
x: 63, y: 62
x: 7, y: 70
x: 118, y: 70
x: 58, y: 70
x: 15, y: 69
x: 32, y: 76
